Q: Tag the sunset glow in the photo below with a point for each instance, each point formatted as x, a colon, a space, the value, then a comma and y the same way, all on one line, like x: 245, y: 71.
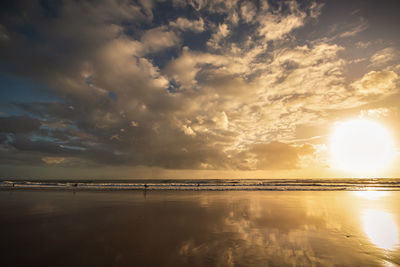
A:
x: 200, y: 88
x: 200, y: 133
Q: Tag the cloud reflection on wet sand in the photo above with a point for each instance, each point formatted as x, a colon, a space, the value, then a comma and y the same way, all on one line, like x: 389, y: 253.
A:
x: 200, y: 228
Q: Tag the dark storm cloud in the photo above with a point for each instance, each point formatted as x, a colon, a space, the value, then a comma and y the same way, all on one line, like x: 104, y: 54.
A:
x: 19, y: 124
x: 178, y: 84
x: 25, y: 144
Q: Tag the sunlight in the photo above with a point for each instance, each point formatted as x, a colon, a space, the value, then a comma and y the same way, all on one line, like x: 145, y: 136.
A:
x: 361, y: 147
x: 370, y: 194
x: 381, y: 228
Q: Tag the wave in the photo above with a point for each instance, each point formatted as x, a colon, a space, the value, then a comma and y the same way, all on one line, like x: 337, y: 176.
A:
x: 212, y: 184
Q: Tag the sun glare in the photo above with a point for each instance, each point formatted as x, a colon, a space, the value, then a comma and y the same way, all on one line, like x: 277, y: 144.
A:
x: 381, y: 229
x: 371, y: 194
x: 361, y: 147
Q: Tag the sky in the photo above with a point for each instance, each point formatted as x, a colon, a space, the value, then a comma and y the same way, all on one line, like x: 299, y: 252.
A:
x: 192, y: 89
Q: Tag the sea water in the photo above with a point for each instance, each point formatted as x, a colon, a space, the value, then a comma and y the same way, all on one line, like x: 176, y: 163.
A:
x: 348, y: 184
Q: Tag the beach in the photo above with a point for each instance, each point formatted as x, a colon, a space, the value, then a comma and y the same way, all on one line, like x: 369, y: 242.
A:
x: 199, y: 228
x: 195, y: 133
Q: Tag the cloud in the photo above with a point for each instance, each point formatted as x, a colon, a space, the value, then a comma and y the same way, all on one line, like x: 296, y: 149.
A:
x: 376, y: 113
x: 184, y: 24
x: 276, y: 27
x: 277, y: 155
x: 361, y: 44
x: 221, y: 120
x: 383, y: 57
x: 188, y: 130
x: 185, y: 67
x: 19, y: 124
x: 218, y: 36
x: 215, y: 85
x: 3, y: 33
x: 216, y: 6
x: 362, y: 26
x: 53, y: 160
x: 155, y: 40
x: 248, y: 11
x: 134, y: 124
x: 376, y: 83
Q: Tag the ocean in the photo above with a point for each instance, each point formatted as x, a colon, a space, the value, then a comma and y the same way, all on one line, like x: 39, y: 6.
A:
x: 343, y: 184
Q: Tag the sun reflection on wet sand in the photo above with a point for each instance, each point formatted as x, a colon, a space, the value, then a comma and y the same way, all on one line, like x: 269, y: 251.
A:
x: 204, y: 228
x: 381, y: 228
x: 379, y: 224
x: 370, y: 194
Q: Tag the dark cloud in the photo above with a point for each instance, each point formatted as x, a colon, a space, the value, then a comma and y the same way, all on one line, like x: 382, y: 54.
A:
x: 178, y: 85
x: 25, y: 144
x: 19, y: 124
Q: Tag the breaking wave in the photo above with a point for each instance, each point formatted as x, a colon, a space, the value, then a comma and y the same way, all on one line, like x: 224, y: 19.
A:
x: 212, y: 184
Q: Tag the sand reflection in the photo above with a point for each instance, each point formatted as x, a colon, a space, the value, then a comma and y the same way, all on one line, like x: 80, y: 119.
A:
x: 381, y: 228
x: 370, y: 194
x: 378, y: 223
x: 201, y: 228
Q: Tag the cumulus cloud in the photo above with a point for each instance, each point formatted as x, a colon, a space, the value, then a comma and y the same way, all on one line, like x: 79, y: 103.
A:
x: 221, y: 120
x: 248, y: 11
x: 188, y: 130
x: 218, y: 85
x: 376, y: 83
x: 218, y: 36
x: 276, y: 27
x: 184, y: 24
x: 157, y: 39
x: 19, y: 124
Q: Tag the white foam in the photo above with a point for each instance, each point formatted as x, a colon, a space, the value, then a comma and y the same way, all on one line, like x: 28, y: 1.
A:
x: 214, y: 185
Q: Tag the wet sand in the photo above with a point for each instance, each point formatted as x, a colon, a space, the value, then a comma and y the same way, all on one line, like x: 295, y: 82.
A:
x: 159, y: 228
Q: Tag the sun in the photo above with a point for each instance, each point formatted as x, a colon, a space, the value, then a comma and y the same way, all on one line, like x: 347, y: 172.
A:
x: 361, y: 147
